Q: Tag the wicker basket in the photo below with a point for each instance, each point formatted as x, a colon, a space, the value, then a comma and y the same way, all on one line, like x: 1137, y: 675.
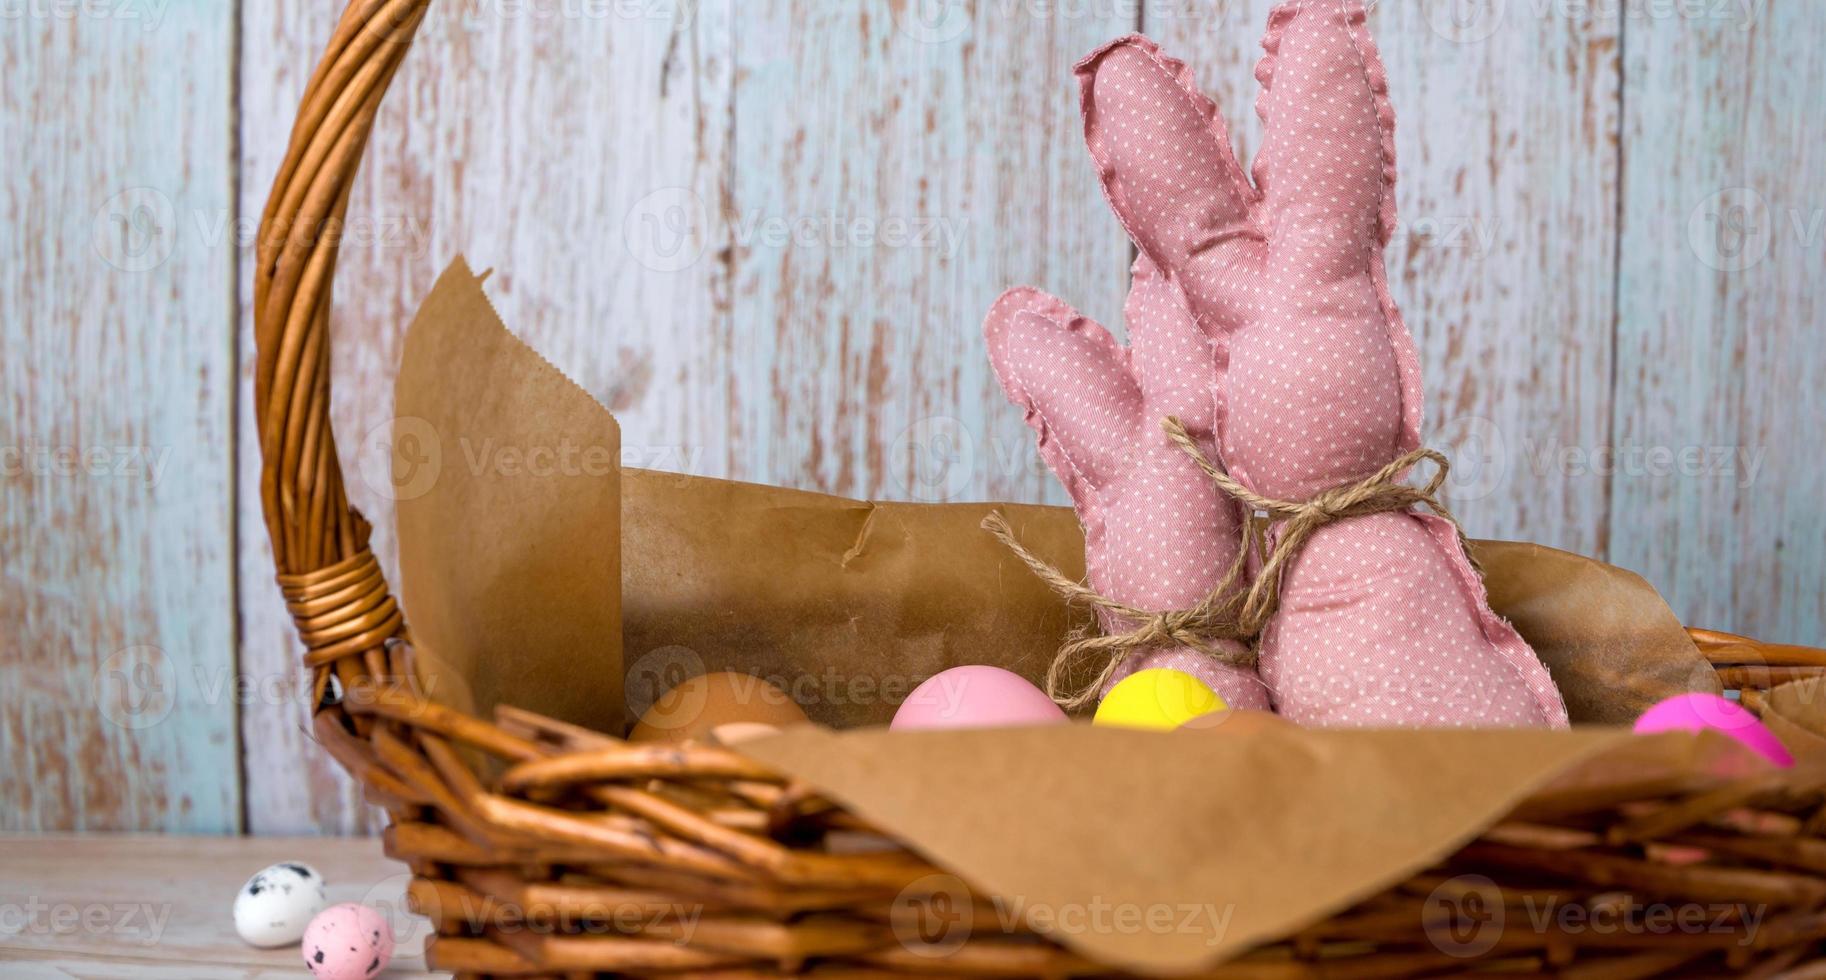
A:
x: 580, y: 828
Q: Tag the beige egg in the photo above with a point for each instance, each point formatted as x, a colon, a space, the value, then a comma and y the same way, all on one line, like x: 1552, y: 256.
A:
x: 737, y: 732
x: 691, y: 710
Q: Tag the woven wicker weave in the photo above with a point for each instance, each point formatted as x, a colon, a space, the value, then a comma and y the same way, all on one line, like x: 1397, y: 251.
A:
x: 576, y: 858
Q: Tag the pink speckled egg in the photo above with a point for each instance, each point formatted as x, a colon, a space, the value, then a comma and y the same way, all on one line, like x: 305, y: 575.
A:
x: 1709, y: 712
x: 976, y: 697
x: 347, y: 942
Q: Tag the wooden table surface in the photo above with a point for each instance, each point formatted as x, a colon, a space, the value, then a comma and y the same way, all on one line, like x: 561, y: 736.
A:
x: 104, y: 907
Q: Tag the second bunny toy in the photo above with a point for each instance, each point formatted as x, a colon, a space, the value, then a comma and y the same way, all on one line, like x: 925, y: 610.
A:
x: 1262, y: 318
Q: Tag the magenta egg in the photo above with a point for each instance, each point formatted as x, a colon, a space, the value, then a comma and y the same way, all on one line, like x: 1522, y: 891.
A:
x: 347, y: 942
x: 976, y: 697
x: 1709, y: 712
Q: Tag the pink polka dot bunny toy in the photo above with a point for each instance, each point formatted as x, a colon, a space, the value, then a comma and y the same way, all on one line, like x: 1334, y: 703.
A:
x: 1156, y: 536
x: 1261, y: 316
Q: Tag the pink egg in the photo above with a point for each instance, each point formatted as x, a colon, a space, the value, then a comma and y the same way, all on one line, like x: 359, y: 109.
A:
x: 347, y: 942
x: 1709, y: 712
x: 976, y: 697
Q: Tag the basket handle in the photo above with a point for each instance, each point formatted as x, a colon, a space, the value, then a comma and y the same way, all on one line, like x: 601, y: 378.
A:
x: 339, y: 600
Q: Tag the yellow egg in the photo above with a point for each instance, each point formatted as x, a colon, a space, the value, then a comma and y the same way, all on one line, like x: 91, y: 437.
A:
x: 1159, y: 700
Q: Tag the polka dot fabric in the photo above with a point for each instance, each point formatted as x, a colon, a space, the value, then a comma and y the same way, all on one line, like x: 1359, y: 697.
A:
x: 1157, y: 534
x: 1312, y: 378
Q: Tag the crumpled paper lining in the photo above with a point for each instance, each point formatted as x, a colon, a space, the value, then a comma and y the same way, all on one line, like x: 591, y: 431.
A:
x: 1231, y: 841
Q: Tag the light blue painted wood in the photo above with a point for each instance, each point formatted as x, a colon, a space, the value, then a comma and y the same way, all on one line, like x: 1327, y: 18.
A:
x: 896, y: 166
x: 117, y: 693
x: 1721, y: 381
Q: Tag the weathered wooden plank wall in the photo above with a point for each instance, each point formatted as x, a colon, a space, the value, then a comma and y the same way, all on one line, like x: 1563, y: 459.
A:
x: 765, y: 235
x: 1721, y: 383
x: 117, y: 701
x: 930, y: 159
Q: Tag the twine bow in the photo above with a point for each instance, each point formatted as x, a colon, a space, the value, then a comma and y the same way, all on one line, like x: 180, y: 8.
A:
x: 1228, y: 612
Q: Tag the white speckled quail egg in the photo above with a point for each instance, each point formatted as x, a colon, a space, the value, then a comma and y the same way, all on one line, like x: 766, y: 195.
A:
x: 275, y: 905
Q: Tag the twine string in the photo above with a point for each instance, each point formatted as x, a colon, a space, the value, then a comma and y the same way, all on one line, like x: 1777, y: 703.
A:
x: 1276, y: 529
x: 1201, y: 627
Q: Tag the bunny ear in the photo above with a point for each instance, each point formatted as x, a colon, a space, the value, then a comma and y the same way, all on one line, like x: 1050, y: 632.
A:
x: 1327, y: 165
x: 1072, y: 380
x: 1167, y: 350
x: 1164, y: 158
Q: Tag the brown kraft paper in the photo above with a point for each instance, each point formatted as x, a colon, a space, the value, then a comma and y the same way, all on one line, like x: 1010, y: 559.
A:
x: 507, y: 486
x: 1171, y: 852
x: 846, y: 604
